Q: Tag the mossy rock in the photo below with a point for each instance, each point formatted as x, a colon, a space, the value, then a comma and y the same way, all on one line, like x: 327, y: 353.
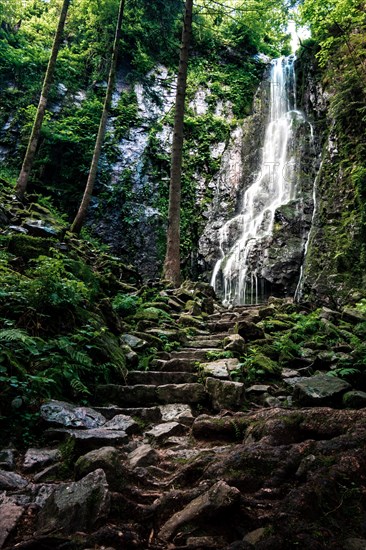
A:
x: 189, y: 321
x: 29, y: 247
x: 151, y: 314
x: 193, y: 308
x: 264, y: 366
x: 274, y: 325
x: 157, y: 305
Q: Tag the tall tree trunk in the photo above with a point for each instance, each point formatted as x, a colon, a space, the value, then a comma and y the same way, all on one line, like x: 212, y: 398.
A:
x: 22, y: 182
x: 80, y: 216
x: 172, y: 258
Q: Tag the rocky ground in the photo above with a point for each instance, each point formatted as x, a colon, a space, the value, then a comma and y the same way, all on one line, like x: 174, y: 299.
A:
x: 191, y: 455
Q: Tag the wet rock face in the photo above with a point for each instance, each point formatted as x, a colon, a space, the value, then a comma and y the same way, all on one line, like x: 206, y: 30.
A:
x: 275, y: 259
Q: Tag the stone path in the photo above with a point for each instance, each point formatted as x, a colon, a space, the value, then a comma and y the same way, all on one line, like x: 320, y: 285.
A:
x: 161, y: 461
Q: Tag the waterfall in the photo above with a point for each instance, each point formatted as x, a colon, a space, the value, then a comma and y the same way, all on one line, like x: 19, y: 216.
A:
x: 236, y: 275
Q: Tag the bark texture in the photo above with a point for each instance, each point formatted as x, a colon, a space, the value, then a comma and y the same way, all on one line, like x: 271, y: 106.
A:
x: 172, y: 258
x: 80, y: 216
x: 23, y: 178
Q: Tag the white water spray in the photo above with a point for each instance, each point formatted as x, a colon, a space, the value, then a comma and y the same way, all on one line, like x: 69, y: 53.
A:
x: 274, y: 186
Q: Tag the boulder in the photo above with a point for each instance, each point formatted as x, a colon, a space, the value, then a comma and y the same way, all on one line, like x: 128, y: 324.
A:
x: 104, y: 458
x: 217, y: 499
x: 69, y: 415
x: 216, y: 369
x: 249, y: 331
x: 88, y: 440
x: 10, y: 481
x: 177, y: 412
x: 10, y: 513
x: 38, y: 228
x: 76, y: 506
x: 163, y: 431
x: 320, y: 390
x: 134, y: 342
x: 354, y: 399
x: 143, y: 456
x: 7, y: 459
x: 353, y: 316
x: 124, y: 423
x: 235, y: 343
x: 225, y: 394
x: 37, y: 459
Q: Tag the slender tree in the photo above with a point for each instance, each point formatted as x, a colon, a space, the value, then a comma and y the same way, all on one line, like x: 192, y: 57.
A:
x: 80, y: 216
x: 172, y: 258
x: 23, y: 178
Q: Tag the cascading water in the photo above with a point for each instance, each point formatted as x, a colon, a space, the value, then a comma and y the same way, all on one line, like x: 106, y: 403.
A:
x: 275, y: 185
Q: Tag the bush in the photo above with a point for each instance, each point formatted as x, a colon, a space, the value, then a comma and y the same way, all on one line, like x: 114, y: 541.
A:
x: 126, y: 304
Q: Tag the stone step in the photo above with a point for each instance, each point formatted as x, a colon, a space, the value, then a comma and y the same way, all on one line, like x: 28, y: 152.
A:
x: 140, y: 394
x: 195, y: 354
x: 215, y: 336
x: 222, y: 326
x: 176, y: 365
x: 160, y: 377
x: 147, y: 414
x: 199, y: 344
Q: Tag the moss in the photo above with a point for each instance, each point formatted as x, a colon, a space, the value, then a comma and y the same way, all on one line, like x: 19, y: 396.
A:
x: 151, y: 314
x: 29, y: 247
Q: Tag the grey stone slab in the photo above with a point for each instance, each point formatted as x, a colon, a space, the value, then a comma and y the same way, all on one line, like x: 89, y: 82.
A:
x: 36, y: 459
x: 181, y: 393
x: 163, y: 431
x: 69, y: 415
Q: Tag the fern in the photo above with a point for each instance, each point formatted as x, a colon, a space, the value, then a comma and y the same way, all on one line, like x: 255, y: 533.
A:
x: 19, y: 336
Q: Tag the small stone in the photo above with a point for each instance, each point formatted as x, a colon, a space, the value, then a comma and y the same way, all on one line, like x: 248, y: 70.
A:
x: 258, y: 388
x: 36, y: 459
x: 163, y: 431
x: 289, y: 373
x: 134, y: 342
x: 177, y: 412
x: 143, y: 456
x: 11, y: 481
x: 124, y: 423
x: 255, y: 536
x: 271, y: 401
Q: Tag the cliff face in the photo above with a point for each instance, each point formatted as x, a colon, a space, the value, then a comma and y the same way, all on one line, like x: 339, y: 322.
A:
x: 335, y: 261
x: 276, y: 258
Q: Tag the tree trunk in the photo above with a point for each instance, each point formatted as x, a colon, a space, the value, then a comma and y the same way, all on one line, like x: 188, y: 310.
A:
x: 80, y: 216
x: 22, y: 182
x: 172, y: 258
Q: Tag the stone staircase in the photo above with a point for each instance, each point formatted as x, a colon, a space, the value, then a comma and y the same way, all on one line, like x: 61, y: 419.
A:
x: 171, y: 460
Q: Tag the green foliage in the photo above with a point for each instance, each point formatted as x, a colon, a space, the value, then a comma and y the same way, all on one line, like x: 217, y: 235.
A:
x: 256, y: 366
x: 52, y: 285
x: 126, y: 304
